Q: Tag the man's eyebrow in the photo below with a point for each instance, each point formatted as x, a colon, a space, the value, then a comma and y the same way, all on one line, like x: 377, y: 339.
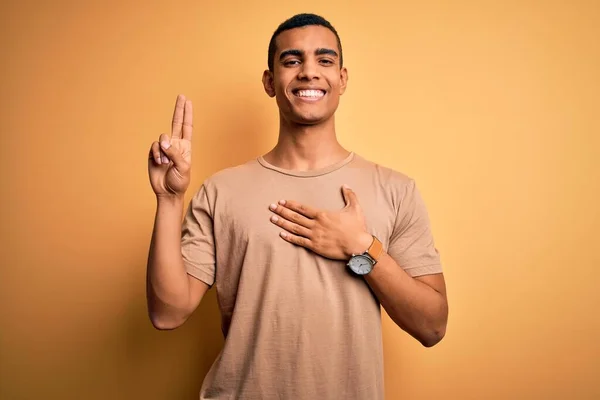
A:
x: 323, y: 51
x: 299, y: 53
x: 291, y: 52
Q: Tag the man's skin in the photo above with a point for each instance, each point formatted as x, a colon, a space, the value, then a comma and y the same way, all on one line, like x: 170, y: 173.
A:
x: 306, y: 59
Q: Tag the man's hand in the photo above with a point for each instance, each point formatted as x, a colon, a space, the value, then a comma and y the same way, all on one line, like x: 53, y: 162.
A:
x: 333, y: 234
x: 170, y: 158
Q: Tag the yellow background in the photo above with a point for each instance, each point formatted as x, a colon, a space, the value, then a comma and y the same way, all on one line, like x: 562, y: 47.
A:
x: 491, y: 106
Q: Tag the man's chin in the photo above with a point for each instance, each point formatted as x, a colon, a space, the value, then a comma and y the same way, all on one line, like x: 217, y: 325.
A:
x: 309, y: 122
x: 310, y: 119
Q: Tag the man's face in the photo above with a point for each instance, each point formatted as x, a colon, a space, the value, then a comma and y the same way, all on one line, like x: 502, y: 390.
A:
x: 306, y: 80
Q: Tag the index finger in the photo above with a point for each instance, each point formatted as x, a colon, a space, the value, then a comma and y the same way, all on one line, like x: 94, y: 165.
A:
x: 188, y: 126
x: 178, y: 117
x: 301, y: 209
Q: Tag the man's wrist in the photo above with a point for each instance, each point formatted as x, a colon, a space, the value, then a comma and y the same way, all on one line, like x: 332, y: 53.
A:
x: 361, y: 243
x: 170, y: 200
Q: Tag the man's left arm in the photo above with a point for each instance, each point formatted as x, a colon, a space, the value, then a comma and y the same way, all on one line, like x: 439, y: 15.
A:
x: 418, y: 305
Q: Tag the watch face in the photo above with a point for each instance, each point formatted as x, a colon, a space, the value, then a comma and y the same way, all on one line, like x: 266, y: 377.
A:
x: 360, y: 265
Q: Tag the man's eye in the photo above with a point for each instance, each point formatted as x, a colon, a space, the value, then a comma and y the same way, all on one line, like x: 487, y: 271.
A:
x: 326, y: 61
x: 291, y: 62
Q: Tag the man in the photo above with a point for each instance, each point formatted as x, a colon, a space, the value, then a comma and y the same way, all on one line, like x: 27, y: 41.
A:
x: 303, y: 244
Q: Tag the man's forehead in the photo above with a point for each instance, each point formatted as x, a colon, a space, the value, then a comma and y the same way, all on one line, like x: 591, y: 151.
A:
x: 307, y: 38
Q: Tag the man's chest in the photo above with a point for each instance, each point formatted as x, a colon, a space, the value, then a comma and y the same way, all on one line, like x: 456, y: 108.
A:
x: 244, y: 219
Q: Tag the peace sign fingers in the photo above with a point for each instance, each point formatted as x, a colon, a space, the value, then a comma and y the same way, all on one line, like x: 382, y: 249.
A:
x: 182, y: 119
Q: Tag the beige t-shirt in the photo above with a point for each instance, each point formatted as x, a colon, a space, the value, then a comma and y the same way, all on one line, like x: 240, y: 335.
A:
x: 298, y: 325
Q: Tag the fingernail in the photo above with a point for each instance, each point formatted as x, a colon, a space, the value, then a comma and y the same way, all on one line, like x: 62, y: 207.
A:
x: 165, y: 145
x: 283, y: 234
x: 282, y: 202
x: 274, y: 218
x: 273, y: 206
x: 157, y: 159
x: 165, y: 160
x: 345, y: 186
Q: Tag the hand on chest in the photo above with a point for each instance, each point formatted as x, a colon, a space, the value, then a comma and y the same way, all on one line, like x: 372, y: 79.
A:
x: 249, y: 219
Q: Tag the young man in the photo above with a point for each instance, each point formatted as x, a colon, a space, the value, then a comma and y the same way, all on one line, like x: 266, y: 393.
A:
x: 303, y: 244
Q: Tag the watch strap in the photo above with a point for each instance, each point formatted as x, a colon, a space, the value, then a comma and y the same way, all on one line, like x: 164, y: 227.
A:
x: 375, y: 249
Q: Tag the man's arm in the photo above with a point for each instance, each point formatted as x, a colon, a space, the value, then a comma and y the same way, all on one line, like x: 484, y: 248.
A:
x: 172, y: 294
x: 417, y: 305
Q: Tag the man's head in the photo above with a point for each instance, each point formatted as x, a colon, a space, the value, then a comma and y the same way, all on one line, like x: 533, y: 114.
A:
x: 299, y: 21
x: 305, y: 74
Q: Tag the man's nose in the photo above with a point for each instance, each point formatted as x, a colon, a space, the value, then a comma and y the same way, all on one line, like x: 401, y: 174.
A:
x: 309, y: 70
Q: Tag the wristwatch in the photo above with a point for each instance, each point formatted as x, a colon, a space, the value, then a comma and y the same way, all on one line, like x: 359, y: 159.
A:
x: 362, y: 264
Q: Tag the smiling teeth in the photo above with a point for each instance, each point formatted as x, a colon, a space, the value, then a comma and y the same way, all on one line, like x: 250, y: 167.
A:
x: 310, y: 93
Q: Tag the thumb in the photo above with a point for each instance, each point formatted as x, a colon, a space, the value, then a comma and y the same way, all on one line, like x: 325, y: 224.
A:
x: 173, y: 153
x: 349, y: 196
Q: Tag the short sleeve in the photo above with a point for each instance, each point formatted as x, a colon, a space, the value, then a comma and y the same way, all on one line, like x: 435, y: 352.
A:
x: 197, y: 239
x: 411, y: 244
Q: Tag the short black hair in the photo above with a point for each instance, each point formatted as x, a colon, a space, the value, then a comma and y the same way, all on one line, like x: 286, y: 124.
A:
x: 299, y: 21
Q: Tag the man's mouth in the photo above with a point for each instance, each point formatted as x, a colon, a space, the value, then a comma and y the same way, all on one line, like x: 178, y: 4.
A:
x: 309, y: 94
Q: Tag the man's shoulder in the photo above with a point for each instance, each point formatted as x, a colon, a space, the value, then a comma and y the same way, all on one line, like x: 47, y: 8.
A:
x: 234, y: 173
x: 230, y: 177
x: 384, y: 174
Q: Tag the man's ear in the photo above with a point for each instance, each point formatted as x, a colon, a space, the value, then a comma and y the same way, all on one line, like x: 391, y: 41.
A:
x: 268, y: 83
x: 343, y: 80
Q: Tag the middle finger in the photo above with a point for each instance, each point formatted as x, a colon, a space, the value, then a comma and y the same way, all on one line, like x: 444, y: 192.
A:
x: 291, y: 216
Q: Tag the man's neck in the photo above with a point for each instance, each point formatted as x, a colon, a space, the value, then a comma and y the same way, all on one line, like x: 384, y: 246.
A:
x: 306, y: 147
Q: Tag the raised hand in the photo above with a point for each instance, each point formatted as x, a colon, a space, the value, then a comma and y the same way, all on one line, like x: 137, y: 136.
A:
x: 170, y: 158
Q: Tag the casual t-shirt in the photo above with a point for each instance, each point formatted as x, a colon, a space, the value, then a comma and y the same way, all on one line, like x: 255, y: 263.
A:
x: 298, y: 325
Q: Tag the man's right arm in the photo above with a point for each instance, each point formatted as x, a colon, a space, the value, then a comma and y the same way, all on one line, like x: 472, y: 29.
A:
x: 172, y: 293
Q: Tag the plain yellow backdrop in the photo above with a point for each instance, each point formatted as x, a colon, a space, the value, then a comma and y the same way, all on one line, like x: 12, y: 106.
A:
x: 490, y: 105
